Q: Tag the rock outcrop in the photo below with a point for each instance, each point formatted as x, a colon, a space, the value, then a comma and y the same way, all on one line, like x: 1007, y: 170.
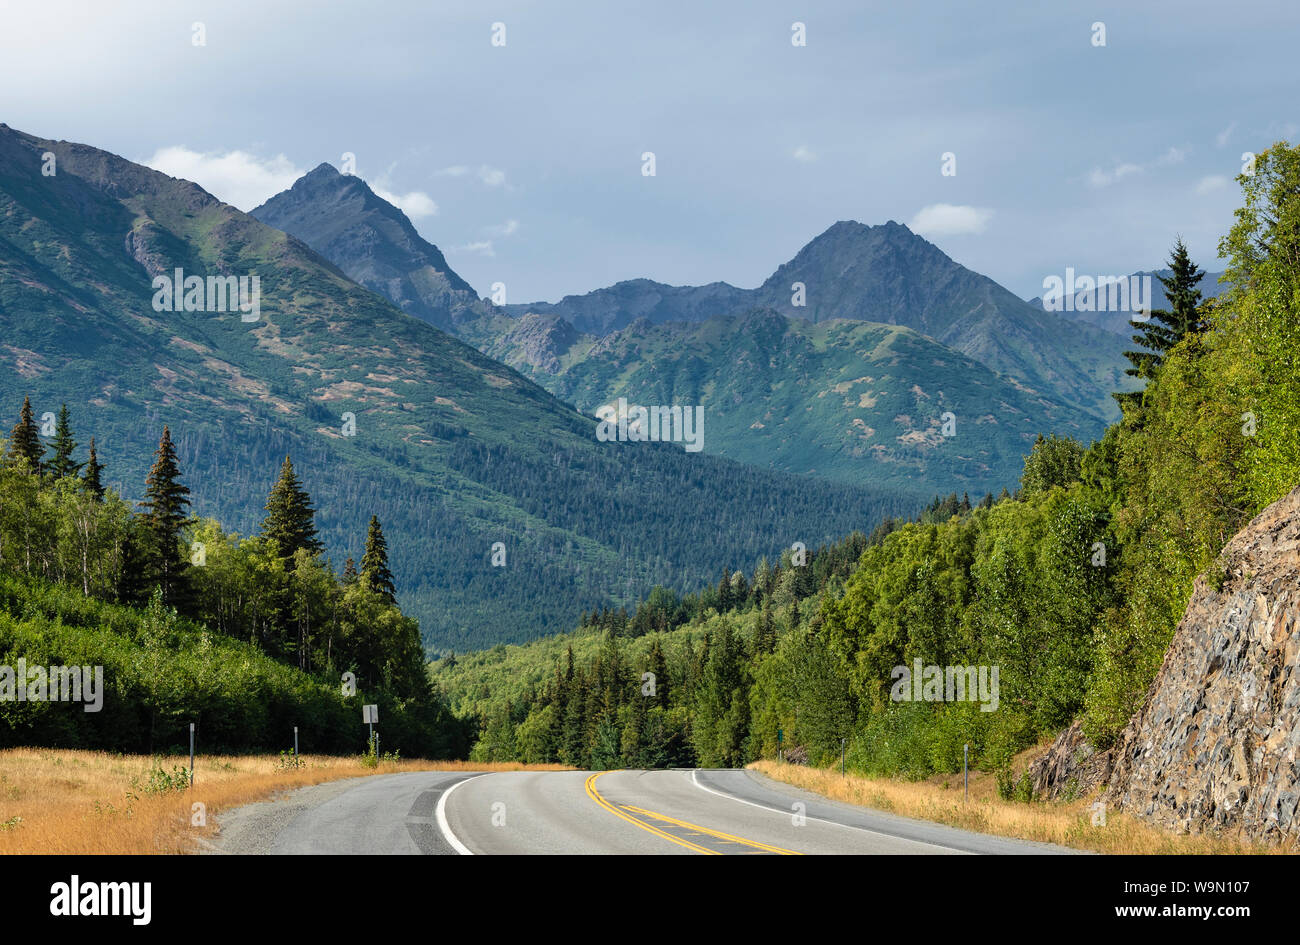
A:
x: 1070, y: 768
x: 1216, y: 745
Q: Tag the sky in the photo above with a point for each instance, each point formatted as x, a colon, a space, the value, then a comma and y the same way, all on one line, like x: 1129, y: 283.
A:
x: 513, y: 133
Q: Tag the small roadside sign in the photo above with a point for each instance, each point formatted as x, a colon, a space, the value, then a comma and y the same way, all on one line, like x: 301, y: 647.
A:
x: 370, y: 714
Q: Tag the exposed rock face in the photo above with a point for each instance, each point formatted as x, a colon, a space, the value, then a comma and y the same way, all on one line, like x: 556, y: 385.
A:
x: 1071, y: 768
x: 375, y: 244
x: 537, y: 344
x: 1217, y: 743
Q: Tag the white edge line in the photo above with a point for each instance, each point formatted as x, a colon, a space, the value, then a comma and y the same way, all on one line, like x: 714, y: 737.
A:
x: 442, y: 818
x: 833, y: 823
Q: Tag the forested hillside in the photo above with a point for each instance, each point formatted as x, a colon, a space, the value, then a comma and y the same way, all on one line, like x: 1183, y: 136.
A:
x: 1071, y: 588
x: 246, y: 638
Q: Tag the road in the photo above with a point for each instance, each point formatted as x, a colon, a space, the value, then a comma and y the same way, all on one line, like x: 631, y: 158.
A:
x: 705, y: 812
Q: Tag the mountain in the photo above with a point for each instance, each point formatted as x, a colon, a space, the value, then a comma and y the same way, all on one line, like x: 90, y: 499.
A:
x: 614, y: 308
x: 887, y: 274
x: 850, y: 400
x: 1095, y: 306
x: 884, y: 274
x: 382, y: 412
x: 375, y: 245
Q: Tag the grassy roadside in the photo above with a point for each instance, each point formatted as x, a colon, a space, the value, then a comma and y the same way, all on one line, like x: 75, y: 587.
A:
x: 56, y: 801
x: 940, y: 799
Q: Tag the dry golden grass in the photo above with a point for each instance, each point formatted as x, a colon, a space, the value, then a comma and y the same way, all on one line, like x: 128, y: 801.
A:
x: 1066, y: 823
x: 55, y: 801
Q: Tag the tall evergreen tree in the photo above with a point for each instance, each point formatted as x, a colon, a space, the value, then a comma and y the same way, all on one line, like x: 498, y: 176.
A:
x: 63, y: 444
x: 659, y: 666
x: 90, y: 477
x: 374, y: 563
x: 765, y: 635
x: 1164, y: 329
x: 290, y: 519
x: 164, y: 517
x: 25, y: 439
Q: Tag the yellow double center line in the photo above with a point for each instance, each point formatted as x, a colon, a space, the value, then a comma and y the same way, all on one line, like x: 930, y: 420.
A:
x: 627, y: 811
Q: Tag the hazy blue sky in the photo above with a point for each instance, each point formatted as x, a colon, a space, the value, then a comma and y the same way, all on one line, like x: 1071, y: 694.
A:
x: 523, y: 161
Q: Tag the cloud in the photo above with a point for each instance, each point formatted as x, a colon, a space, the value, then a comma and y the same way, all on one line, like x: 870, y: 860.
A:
x: 483, y: 248
x: 490, y: 176
x: 238, y: 178
x: 1172, y: 156
x: 804, y: 154
x: 945, y: 219
x: 415, y: 204
x: 1098, y: 177
x: 1210, y: 184
x: 1221, y: 139
x: 509, y: 228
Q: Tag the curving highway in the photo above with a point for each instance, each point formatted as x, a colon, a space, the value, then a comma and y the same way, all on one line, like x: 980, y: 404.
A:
x: 703, y: 812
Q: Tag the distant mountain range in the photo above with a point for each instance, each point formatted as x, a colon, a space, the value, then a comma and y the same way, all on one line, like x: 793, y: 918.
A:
x: 889, y: 275
x: 852, y: 384
x: 1096, y: 306
x: 452, y: 450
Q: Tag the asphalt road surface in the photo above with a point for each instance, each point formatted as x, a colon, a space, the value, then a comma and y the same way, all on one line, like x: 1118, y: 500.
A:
x: 582, y: 812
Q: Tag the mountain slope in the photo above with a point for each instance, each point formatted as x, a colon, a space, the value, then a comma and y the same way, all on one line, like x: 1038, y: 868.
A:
x: 452, y: 450
x: 850, y: 400
x: 888, y: 274
x: 374, y: 244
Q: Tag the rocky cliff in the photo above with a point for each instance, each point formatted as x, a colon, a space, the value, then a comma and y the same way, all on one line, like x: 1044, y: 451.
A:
x: 1216, y: 745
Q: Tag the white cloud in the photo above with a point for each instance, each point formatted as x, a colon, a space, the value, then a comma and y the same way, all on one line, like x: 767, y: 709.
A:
x: 509, y: 228
x: 490, y: 176
x: 1099, y: 178
x: 415, y: 204
x: 238, y: 178
x: 804, y: 153
x: 1172, y: 156
x: 1222, y: 137
x: 483, y: 248
x: 945, y: 219
x: 1210, y: 184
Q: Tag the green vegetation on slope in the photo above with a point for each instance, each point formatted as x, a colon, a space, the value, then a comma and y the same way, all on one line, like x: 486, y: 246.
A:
x: 245, y: 638
x: 852, y: 401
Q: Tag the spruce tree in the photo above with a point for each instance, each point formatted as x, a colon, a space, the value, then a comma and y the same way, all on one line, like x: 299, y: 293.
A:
x: 374, y: 563
x: 25, y: 440
x: 164, y: 517
x: 290, y: 518
x: 659, y: 666
x: 1164, y: 329
x: 90, y: 477
x: 765, y: 636
x: 63, y: 444
x: 349, y: 571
